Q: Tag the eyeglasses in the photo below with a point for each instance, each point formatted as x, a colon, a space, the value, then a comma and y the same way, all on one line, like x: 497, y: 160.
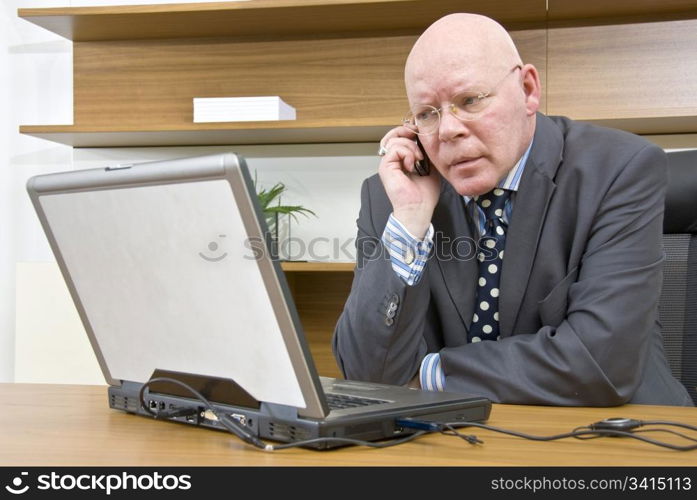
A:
x: 467, y: 106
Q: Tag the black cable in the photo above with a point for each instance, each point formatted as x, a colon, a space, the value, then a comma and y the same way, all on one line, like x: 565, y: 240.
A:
x: 612, y: 427
x: 358, y: 442
x: 240, y: 431
x: 670, y: 431
x: 579, y: 432
x: 635, y: 435
x: 531, y: 437
x: 229, y: 424
x: 470, y: 438
x: 667, y: 422
x: 587, y: 432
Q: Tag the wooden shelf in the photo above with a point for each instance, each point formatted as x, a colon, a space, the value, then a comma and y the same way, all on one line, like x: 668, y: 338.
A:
x: 267, y: 18
x: 603, y: 11
x: 137, y: 68
x: 284, y: 18
x: 290, y: 266
x: 659, y: 125
x: 283, y: 132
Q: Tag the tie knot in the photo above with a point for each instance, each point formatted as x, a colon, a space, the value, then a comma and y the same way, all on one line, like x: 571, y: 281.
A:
x: 493, y: 202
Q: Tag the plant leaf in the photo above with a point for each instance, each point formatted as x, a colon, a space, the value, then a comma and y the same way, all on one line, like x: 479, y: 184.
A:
x: 268, y: 196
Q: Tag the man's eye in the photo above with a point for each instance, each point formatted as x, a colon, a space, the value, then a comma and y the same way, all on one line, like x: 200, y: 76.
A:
x: 424, y: 115
x: 467, y: 100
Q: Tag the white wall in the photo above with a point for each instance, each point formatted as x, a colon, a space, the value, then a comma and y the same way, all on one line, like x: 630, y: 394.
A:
x: 41, y: 338
x: 35, y: 85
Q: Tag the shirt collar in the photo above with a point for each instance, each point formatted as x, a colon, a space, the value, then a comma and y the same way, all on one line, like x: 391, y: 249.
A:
x: 512, y: 179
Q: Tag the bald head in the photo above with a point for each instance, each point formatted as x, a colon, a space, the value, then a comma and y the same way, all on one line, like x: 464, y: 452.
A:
x: 468, y: 42
x: 456, y: 60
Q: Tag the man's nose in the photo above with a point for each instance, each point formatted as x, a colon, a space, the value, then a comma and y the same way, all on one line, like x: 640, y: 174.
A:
x: 451, y: 127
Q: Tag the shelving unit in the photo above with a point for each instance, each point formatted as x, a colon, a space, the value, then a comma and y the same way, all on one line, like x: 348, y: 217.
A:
x: 304, y: 133
x: 136, y: 69
x: 314, y: 267
x: 282, y: 132
x: 267, y: 18
x: 626, y: 64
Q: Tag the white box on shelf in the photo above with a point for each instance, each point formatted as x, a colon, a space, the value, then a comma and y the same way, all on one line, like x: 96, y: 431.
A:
x: 241, y: 109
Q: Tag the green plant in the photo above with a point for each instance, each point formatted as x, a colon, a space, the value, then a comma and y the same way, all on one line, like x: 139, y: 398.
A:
x: 270, y: 201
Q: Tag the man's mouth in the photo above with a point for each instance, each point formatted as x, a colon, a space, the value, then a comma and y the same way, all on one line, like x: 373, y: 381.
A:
x: 464, y: 162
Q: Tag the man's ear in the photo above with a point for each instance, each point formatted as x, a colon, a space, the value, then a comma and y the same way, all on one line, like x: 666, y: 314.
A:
x: 532, y: 88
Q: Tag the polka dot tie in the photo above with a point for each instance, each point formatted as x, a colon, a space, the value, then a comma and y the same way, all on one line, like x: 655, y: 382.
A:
x: 485, y: 322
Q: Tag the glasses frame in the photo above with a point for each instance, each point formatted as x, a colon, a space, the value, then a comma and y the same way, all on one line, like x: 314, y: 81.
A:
x: 410, y: 118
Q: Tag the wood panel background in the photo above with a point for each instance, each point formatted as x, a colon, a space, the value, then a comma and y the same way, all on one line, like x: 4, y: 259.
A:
x: 151, y: 83
x: 319, y: 298
x: 627, y: 71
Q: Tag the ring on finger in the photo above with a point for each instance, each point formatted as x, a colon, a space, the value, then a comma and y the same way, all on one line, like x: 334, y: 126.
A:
x: 382, y: 151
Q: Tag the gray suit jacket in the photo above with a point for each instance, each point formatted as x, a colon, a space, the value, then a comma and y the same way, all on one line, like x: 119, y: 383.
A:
x: 579, y: 286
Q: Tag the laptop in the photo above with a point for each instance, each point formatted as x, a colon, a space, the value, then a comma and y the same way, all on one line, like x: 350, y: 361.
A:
x: 167, y: 263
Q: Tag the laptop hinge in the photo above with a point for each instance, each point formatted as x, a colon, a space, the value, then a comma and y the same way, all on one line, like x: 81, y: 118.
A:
x: 131, y: 389
x: 277, y: 411
x: 219, y: 390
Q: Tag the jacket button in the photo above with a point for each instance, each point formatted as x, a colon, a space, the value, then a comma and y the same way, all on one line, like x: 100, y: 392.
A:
x: 389, y: 321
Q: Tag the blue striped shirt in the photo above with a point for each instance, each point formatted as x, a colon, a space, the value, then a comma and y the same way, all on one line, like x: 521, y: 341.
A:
x: 431, y: 374
x: 408, y: 255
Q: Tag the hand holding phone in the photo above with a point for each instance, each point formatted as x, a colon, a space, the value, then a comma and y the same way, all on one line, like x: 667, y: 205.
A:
x: 412, y: 189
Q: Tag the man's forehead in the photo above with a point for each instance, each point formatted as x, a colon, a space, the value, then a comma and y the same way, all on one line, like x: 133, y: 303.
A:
x: 431, y: 81
x: 460, y: 48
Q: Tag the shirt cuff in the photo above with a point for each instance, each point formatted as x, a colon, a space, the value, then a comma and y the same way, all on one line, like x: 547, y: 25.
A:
x: 407, y: 254
x: 431, y: 373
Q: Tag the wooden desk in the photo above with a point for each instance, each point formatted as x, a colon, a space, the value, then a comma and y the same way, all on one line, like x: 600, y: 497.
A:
x: 72, y: 425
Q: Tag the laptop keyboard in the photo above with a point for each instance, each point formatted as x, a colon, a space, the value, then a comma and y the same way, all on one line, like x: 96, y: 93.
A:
x: 341, y: 401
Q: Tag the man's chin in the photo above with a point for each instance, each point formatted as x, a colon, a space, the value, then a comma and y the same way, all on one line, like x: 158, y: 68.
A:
x: 472, y: 186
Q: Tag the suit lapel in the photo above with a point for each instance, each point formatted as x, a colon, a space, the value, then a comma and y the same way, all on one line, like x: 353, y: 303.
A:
x: 529, y: 212
x: 456, y: 250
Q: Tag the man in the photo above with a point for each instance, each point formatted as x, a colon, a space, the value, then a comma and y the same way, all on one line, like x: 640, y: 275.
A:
x: 526, y: 266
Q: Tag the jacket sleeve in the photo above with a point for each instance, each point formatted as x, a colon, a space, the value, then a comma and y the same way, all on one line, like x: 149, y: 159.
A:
x: 379, y: 334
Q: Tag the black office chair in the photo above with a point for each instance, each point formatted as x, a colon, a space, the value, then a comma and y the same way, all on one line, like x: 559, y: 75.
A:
x: 678, y: 304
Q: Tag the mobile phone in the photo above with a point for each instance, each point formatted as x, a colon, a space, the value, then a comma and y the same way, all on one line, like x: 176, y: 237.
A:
x: 422, y: 167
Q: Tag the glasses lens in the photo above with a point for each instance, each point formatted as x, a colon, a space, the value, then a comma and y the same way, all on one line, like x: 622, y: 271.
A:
x: 468, y: 105
x: 422, y: 120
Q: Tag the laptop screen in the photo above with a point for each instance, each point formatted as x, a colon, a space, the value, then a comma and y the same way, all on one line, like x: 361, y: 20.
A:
x: 170, y: 272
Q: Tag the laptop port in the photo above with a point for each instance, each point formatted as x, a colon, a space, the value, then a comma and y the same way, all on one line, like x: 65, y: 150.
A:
x: 242, y: 419
x: 209, y: 415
